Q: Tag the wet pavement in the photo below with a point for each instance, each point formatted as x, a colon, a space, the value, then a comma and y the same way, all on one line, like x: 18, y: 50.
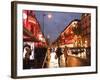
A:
x: 73, y: 61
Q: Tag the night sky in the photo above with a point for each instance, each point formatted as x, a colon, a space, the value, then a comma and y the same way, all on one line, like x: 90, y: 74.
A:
x: 53, y: 26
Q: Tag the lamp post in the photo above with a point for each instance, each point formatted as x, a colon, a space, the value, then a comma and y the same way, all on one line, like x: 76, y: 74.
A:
x: 43, y: 22
x: 47, y: 37
x: 49, y: 16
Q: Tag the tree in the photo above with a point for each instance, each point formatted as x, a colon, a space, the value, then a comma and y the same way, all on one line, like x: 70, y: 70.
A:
x: 78, y: 32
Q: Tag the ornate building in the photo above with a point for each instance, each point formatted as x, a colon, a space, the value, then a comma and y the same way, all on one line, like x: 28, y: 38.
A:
x: 68, y: 36
x: 31, y: 29
x: 77, y: 33
x: 86, y: 25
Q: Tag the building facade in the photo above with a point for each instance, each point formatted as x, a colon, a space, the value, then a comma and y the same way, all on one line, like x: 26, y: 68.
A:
x: 86, y: 25
x: 68, y: 36
x: 77, y: 33
x: 31, y: 29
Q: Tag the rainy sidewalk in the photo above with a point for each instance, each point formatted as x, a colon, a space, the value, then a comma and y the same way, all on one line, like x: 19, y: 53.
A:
x: 73, y: 61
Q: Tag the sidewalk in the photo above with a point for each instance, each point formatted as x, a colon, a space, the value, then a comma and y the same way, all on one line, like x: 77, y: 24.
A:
x: 73, y: 61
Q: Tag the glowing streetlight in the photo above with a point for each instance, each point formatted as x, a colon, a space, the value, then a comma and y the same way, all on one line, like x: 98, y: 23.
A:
x: 48, y: 36
x: 85, y: 41
x: 24, y: 16
x: 49, y: 16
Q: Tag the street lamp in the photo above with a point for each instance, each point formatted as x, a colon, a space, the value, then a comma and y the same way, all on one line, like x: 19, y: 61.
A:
x: 48, y: 39
x: 49, y: 16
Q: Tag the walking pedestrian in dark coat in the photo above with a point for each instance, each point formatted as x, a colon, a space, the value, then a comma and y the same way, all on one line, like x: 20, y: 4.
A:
x: 59, y: 53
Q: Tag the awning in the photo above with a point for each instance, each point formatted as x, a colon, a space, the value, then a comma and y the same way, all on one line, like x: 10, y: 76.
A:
x: 29, y: 35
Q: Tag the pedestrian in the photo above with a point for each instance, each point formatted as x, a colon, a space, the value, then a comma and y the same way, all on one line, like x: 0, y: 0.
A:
x: 48, y: 56
x: 66, y: 55
x: 59, y: 53
x: 53, y: 62
x: 26, y: 62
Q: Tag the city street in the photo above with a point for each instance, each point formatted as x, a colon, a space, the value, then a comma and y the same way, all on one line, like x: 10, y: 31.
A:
x: 54, y: 39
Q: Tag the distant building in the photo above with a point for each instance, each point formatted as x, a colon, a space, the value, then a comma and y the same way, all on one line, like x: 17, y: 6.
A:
x: 77, y: 33
x: 67, y: 36
x: 86, y: 25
